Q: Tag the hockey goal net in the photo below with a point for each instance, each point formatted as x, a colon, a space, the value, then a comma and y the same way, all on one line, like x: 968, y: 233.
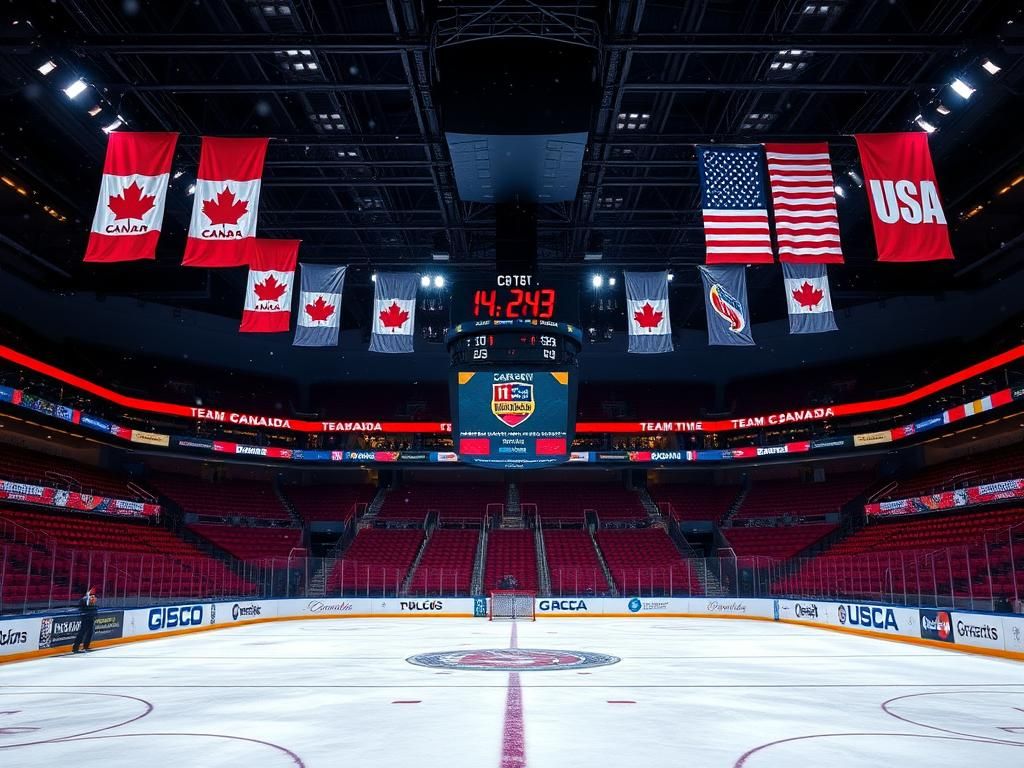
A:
x: 512, y: 604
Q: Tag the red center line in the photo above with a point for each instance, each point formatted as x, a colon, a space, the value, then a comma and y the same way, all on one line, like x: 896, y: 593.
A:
x: 513, y: 740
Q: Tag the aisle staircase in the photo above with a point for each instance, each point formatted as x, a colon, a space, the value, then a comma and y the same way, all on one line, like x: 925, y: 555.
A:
x: 477, y: 586
x: 653, y: 513
x: 407, y: 581
x: 737, y: 502
x: 612, y: 589
x: 543, y: 573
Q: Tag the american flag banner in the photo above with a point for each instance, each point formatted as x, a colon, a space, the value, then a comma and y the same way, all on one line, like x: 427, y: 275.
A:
x: 804, y: 203
x: 732, y: 190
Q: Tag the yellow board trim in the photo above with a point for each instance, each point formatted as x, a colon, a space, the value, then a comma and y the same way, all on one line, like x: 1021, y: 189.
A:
x: 562, y: 377
x: 465, y: 376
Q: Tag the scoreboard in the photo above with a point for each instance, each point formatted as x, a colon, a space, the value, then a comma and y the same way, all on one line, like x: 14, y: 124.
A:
x: 514, y: 345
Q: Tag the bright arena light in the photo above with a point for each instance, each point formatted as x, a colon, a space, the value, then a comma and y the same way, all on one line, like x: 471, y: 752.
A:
x: 597, y: 281
x: 425, y: 281
x: 75, y: 89
x: 438, y: 281
x: 962, y: 89
x: 924, y: 124
x: 48, y: 66
x: 988, y: 65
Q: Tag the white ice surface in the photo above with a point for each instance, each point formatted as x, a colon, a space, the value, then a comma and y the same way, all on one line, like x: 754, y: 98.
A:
x: 706, y: 692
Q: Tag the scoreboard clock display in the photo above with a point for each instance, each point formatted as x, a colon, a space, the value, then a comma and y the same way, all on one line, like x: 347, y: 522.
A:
x: 516, y: 297
x: 514, y: 345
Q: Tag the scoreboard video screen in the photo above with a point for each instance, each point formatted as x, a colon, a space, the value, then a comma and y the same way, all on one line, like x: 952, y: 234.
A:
x: 510, y: 418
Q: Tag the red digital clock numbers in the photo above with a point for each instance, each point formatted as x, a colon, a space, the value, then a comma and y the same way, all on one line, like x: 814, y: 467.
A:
x: 532, y: 305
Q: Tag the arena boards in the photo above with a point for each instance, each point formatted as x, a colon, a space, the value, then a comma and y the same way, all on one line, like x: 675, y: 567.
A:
x: 26, y: 637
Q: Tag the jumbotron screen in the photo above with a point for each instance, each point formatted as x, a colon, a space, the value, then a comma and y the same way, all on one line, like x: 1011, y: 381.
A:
x: 508, y: 419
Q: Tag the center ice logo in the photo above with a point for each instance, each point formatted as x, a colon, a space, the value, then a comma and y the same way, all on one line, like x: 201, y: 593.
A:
x: 512, y: 403
x: 512, y: 660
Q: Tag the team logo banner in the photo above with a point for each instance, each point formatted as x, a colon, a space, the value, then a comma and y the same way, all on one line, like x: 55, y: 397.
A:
x: 133, y: 193
x: 903, y: 193
x: 650, y: 330
x: 268, y: 293
x: 512, y: 403
x: 222, y: 232
x: 808, y: 299
x: 732, y: 191
x: 804, y: 203
x: 725, y: 303
x: 394, y: 310
x: 319, y: 318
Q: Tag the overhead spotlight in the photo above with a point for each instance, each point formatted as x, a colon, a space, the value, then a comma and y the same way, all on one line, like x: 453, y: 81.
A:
x: 962, y: 89
x: 839, y: 190
x: 425, y: 281
x: 671, y: 277
x: 191, y: 189
x: 75, y: 89
x: 855, y: 177
x: 178, y: 174
x: 924, y: 125
x: 611, y: 281
x: 942, y: 109
x: 111, y: 127
x: 597, y: 281
x: 592, y: 256
x: 440, y: 255
x: 373, y: 278
x: 95, y: 110
x: 988, y: 65
x: 48, y: 66
x: 439, y: 281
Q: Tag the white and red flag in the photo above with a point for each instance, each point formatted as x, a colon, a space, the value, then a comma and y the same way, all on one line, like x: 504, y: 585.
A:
x: 222, y: 232
x: 133, y: 192
x: 903, y: 194
x: 268, y: 294
x: 650, y: 330
x: 804, y: 199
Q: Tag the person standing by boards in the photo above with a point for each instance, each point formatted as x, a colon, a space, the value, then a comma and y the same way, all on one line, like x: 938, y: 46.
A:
x: 87, y: 606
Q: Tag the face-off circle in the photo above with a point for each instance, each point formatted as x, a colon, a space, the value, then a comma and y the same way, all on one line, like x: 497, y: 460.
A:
x: 512, y: 660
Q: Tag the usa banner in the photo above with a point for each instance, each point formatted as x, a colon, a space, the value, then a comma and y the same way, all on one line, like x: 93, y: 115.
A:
x: 804, y: 203
x: 394, y: 310
x: 650, y: 330
x: 268, y: 294
x: 319, y: 318
x: 222, y: 232
x: 808, y: 299
x: 133, y: 193
x: 903, y: 193
x: 733, y: 200
x: 725, y: 303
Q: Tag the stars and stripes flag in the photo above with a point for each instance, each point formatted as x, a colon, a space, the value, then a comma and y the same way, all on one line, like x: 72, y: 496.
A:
x: 804, y: 203
x: 732, y: 188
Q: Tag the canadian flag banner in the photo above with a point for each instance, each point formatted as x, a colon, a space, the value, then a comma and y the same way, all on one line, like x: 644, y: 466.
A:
x: 268, y: 295
x: 650, y: 330
x: 394, y: 309
x: 319, y: 318
x: 133, y: 192
x: 903, y: 193
x: 808, y: 298
x: 222, y: 232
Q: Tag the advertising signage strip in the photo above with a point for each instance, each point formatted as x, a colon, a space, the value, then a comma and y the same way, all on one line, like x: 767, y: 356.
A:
x: 989, y: 493
x: 780, y: 418
x: 12, y: 490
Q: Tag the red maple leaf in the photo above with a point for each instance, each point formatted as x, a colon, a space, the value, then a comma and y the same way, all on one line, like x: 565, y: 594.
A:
x: 808, y: 296
x: 225, y: 208
x: 646, y: 317
x: 319, y: 310
x: 394, y: 316
x: 269, y: 289
x: 131, y: 203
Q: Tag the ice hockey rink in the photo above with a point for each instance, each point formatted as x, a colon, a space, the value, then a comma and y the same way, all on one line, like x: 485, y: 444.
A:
x: 697, y: 692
